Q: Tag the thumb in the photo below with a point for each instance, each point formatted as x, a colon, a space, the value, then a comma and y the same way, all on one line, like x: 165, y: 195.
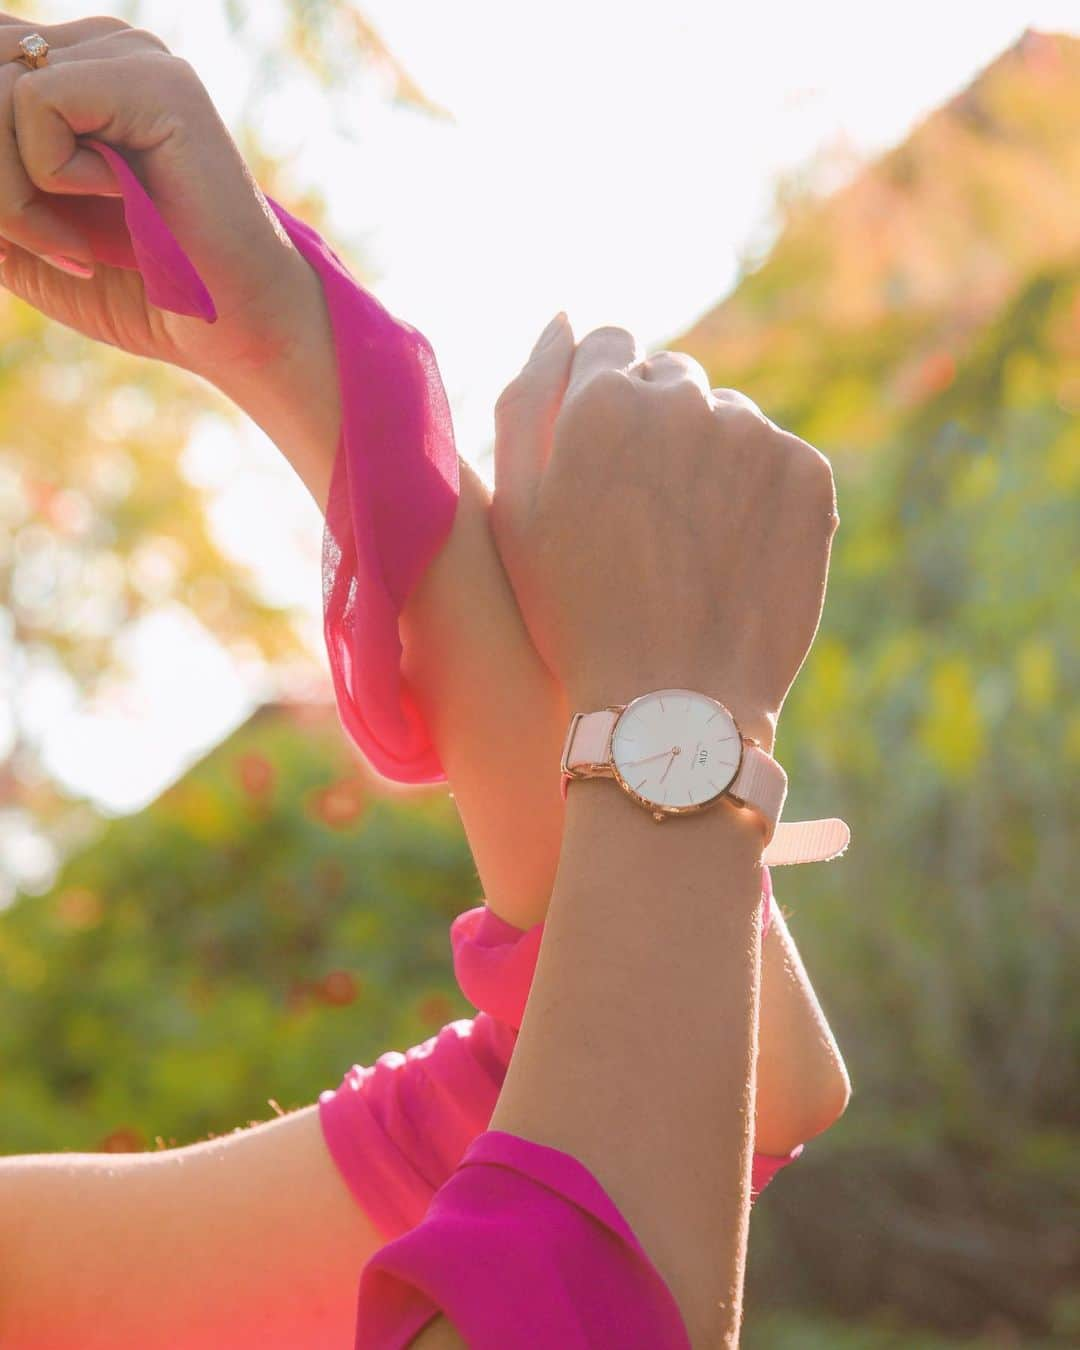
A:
x: 525, y: 415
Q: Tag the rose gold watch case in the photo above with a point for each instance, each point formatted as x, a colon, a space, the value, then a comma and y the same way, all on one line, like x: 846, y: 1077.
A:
x: 609, y: 769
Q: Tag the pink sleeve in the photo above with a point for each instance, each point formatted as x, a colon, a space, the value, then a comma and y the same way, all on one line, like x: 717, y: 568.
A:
x: 394, y: 487
x: 397, y: 1130
x: 521, y: 1247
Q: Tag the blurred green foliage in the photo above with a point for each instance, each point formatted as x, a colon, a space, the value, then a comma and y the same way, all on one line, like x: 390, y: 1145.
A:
x: 273, y: 917
x: 268, y: 921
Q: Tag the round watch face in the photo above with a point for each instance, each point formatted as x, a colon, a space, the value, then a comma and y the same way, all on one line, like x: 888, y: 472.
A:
x: 676, y: 749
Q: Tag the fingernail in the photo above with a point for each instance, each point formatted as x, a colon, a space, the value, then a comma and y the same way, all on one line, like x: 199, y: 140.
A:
x: 69, y: 265
x: 550, y: 332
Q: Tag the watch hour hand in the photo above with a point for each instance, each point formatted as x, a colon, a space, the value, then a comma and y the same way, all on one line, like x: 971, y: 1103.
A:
x: 631, y: 763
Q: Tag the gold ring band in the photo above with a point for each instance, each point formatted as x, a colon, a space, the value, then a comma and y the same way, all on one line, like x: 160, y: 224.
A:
x: 33, y: 51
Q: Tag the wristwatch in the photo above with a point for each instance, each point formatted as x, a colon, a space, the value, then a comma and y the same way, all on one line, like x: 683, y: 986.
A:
x: 677, y: 751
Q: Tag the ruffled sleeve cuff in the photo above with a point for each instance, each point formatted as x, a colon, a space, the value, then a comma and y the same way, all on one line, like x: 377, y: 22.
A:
x: 397, y: 1130
x: 522, y: 1247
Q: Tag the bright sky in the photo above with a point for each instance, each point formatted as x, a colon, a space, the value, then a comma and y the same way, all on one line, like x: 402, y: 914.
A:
x: 612, y: 159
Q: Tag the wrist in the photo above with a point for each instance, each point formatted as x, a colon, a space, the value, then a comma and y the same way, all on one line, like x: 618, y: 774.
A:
x: 602, y: 822
x: 291, y: 387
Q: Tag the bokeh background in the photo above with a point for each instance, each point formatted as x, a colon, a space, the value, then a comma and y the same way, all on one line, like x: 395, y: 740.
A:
x: 870, y: 223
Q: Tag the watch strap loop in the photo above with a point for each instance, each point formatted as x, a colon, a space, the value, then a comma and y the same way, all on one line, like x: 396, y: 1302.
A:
x: 587, y: 750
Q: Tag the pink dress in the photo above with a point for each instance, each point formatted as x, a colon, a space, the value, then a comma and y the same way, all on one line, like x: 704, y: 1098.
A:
x: 519, y: 1244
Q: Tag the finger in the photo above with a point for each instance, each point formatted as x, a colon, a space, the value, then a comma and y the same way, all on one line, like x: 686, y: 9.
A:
x: 74, y: 97
x: 606, y: 348
x: 673, y: 368
x: 14, y: 27
x: 25, y: 218
x: 525, y: 415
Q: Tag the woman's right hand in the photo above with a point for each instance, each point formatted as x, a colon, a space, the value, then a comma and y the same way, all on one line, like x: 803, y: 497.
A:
x: 122, y: 85
x: 658, y: 533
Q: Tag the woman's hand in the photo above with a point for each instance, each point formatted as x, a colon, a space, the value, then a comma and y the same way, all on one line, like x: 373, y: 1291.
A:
x: 120, y: 84
x: 656, y: 532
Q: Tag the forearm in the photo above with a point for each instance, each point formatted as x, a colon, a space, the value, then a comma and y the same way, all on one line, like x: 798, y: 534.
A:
x: 169, y: 1250
x: 590, y: 1057
x: 496, y: 714
x: 613, y: 1035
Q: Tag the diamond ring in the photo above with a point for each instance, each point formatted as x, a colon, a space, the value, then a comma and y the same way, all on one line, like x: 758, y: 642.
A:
x: 34, y: 51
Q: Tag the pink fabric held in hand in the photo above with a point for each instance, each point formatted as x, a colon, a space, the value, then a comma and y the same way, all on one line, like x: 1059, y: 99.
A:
x: 522, y: 1247
x: 394, y: 488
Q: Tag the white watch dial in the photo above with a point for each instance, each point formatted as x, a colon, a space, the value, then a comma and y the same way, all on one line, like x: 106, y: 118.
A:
x: 676, y: 748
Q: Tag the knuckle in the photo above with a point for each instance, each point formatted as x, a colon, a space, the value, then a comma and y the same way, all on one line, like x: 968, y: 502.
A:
x: 739, y: 418
x: 684, y: 396
x: 608, y: 330
x: 607, y: 389
x: 813, y: 463
x: 181, y: 71
x: 604, y: 402
x: 104, y: 23
x: 817, y: 473
x: 143, y: 37
x: 677, y: 361
x: 747, y: 405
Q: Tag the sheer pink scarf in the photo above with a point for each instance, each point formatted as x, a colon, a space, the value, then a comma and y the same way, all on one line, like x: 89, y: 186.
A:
x: 394, y: 487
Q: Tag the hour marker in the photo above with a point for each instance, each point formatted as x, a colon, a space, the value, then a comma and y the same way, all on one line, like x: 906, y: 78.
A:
x: 641, y: 784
